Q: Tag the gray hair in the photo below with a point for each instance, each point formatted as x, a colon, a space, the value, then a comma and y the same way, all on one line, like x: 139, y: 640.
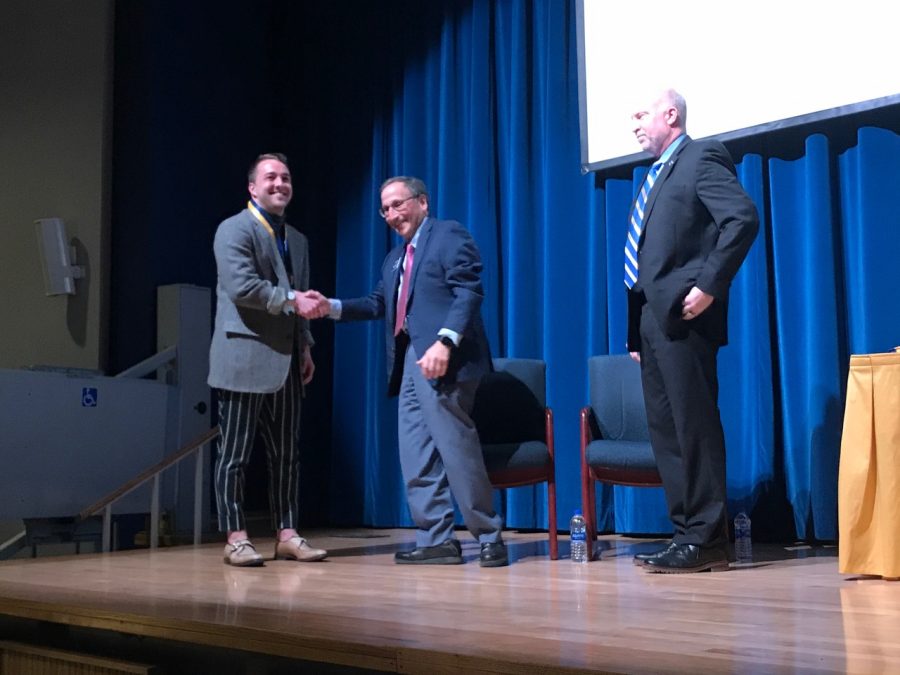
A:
x: 415, y: 185
x: 676, y: 100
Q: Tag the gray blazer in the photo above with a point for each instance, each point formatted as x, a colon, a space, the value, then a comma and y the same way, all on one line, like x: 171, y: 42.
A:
x: 256, y: 330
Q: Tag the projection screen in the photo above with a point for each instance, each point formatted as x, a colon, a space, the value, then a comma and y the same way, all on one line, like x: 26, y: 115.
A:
x: 743, y: 67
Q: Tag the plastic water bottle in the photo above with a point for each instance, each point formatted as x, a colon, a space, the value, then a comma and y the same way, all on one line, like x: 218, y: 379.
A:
x: 578, y: 537
x: 743, y: 545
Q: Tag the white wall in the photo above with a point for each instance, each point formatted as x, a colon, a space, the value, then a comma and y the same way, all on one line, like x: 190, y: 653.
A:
x: 55, y: 141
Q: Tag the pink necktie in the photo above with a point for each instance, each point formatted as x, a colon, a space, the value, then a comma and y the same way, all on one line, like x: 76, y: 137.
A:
x: 404, y: 290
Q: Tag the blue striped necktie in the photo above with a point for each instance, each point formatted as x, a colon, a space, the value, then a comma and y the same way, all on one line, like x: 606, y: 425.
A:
x: 635, y: 227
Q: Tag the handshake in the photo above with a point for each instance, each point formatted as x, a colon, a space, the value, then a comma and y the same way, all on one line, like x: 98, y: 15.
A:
x: 311, y: 304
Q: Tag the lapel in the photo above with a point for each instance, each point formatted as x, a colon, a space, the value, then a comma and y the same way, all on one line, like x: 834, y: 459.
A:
x: 396, y: 263
x: 658, y: 183
x: 266, y: 240
x: 421, y: 250
x: 392, y: 283
x: 294, y: 247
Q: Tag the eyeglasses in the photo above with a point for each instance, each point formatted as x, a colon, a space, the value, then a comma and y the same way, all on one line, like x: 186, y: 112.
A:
x: 396, y: 205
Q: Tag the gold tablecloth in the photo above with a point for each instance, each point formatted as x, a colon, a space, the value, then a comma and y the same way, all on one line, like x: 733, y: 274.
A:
x: 869, y: 476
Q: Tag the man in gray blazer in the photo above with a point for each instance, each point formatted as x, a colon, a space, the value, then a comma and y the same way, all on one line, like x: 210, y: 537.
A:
x: 430, y: 296
x: 260, y: 359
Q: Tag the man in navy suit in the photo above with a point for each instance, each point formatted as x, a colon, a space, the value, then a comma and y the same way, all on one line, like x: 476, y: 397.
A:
x: 430, y: 296
x: 688, y: 234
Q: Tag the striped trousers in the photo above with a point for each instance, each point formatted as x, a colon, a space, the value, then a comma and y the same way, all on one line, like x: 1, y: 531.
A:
x: 276, y: 418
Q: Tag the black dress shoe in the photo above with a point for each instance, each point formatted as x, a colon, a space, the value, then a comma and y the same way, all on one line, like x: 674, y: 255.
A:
x: 686, y: 558
x: 494, y: 555
x: 641, y: 558
x: 447, y: 553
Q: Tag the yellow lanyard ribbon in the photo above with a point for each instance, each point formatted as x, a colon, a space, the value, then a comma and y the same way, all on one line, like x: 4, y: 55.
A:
x: 280, y: 244
x: 261, y: 218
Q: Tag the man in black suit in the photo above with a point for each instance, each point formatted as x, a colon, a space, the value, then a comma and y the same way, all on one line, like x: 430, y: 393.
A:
x: 688, y: 233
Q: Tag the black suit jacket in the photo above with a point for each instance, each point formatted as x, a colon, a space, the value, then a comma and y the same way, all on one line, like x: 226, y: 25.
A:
x: 445, y: 292
x: 698, y: 225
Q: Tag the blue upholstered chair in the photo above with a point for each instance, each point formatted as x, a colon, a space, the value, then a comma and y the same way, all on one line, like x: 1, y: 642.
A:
x: 516, y: 430
x: 615, y: 443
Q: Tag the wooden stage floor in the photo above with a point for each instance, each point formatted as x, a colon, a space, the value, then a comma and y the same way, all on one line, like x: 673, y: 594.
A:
x: 790, y: 613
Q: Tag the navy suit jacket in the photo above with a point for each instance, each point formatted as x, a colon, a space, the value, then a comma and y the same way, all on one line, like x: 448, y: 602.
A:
x: 698, y: 225
x: 445, y: 292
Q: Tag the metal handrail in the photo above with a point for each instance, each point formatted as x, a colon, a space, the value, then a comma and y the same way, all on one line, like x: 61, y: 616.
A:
x: 151, y: 363
x: 194, y: 446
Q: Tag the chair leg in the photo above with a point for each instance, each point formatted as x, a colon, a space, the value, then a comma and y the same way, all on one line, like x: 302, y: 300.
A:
x: 551, y: 510
x: 588, y: 510
x: 592, y: 503
x: 588, y: 503
x: 551, y: 484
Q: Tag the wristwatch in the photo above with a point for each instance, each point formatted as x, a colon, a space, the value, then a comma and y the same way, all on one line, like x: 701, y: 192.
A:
x: 289, y: 303
x: 447, y: 341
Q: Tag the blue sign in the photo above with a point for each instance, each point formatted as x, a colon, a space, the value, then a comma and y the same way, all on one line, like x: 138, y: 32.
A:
x: 89, y: 397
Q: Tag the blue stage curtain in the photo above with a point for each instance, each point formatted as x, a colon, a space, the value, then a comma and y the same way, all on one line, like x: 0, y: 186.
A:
x: 745, y: 366
x: 836, y: 249
x: 869, y: 179
x: 487, y: 115
x: 807, y: 282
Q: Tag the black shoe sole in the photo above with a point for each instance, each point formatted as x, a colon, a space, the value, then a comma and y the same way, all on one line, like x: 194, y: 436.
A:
x: 503, y: 562
x: 716, y: 566
x: 643, y: 563
x: 448, y: 560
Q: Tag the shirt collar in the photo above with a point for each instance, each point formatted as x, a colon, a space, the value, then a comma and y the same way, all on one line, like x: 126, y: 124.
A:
x: 415, y: 238
x: 275, y: 221
x: 668, y: 152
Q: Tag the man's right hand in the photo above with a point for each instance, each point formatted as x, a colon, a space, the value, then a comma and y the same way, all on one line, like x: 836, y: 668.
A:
x: 635, y: 356
x: 311, y: 304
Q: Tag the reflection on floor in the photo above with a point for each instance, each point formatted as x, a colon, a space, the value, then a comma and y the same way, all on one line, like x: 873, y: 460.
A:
x: 789, y: 611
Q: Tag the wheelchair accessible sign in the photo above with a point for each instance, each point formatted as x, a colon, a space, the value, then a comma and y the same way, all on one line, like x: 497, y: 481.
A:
x: 89, y: 397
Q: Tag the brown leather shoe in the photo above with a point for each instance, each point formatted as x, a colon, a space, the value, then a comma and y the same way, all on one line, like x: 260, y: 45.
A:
x: 242, y: 554
x: 296, y: 548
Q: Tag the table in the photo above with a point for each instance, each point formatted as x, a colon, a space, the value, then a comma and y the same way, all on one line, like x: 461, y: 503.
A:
x: 869, y: 474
